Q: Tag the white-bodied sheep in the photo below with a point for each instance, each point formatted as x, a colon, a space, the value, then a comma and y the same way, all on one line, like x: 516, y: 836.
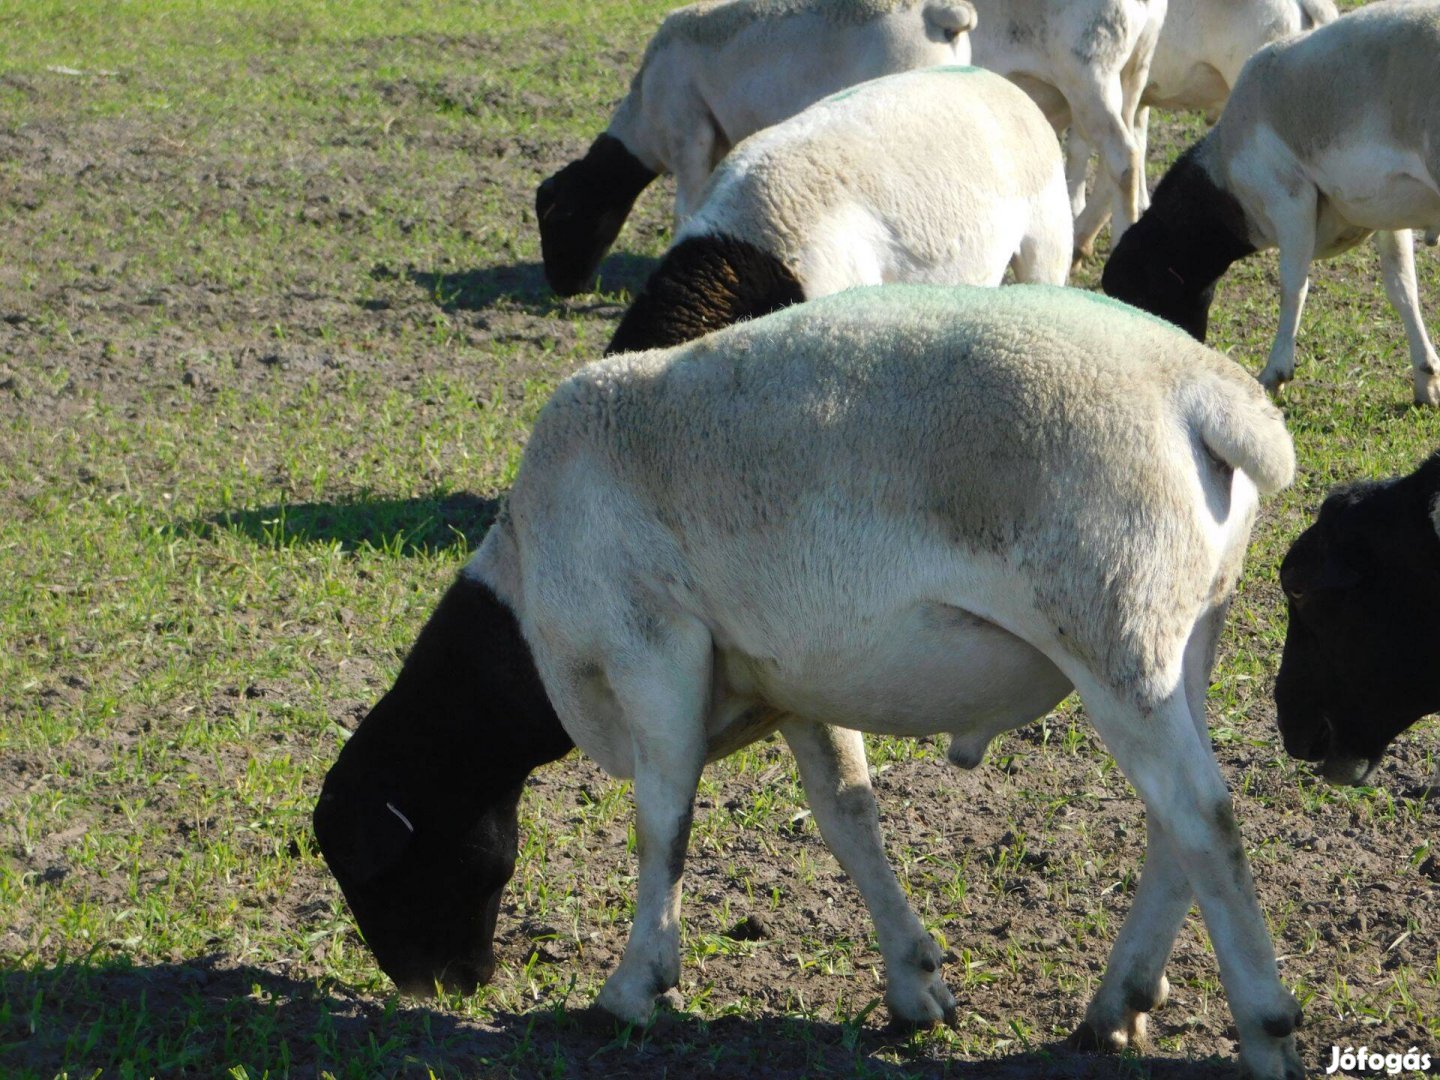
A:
x: 1327, y: 138
x: 949, y: 176
x: 905, y: 509
x: 1203, y: 46
x: 1085, y: 62
x: 714, y: 73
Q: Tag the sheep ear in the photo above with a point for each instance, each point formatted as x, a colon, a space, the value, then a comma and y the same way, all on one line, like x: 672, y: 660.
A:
x: 1435, y: 514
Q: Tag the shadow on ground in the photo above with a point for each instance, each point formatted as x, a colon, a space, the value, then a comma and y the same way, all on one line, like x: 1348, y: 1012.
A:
x: 524, y: 284
x: 399, y: 526
x: 206, y: 1017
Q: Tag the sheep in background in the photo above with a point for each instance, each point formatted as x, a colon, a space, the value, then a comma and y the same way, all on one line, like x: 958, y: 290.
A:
x: 1327, y: 138
x: 1362, y: 585
x: 907, y: 510
x: 713, y: 74
x: 1085, y: 62
x: 964, y: 181
x: 1203, y: 46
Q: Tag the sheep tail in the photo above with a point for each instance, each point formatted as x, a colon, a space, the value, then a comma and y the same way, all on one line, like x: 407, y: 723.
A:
x: 951, y: 19
x: 1241, y: 427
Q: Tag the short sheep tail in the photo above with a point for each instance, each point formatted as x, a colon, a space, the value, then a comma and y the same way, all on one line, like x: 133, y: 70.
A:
x: 951, y: 19
x: 704, y: 283
x: 1241, y: 427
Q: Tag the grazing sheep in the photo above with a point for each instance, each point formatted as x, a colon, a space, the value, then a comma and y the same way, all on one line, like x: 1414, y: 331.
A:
x: 1085, y: 62
x: 1203, y: 46
x: 902, y: 509
x: 1363, y: 589
x: 966, y: 183
x: 713, y: 74
x: 1327, y: 138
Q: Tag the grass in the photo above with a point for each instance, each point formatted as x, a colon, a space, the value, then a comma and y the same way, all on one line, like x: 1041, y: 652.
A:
x: 273, y: 335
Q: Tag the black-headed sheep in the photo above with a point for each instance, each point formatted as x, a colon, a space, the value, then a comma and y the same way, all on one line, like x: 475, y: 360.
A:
x: 1203, y: 46
x: 901, y: 509
x: 1328, y: 138
x: 1363, y: 589
x: 965, y: 183
x: 714, y: 73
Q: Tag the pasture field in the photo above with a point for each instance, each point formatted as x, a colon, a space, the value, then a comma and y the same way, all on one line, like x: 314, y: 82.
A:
x: 272, y: 332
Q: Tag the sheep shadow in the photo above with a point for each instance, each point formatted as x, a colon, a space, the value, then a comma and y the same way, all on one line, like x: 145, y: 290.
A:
x: 206, y: 1016
x: 402, y: 527
x: 524, y: 285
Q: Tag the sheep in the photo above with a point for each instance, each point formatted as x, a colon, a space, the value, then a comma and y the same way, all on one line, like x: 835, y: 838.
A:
x: 967, y: 182
x: 903, y: 509
x: 1327, y: 138
x: 1085, y: 62
x: 1362, y: 585
x: 1203, y: 46
x: 714, y: 73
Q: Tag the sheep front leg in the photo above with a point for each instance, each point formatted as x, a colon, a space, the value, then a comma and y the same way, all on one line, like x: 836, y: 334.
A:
x: 1295, y: 231
x: 837, y: 784
x: 1397, y: 267
x: 693, y: 163
x: 666, y: 717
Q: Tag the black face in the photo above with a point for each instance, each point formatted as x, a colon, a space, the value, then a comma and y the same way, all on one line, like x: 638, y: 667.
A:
x: 1168, y: 262
x: 1135, y: 276
x: 417, y: 818
x: 581, y: 210
x: 1363, y: 589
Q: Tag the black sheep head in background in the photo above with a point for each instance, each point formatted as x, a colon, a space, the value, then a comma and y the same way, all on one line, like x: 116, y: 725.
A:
x: 581, y: 210
x: 1362, y: 650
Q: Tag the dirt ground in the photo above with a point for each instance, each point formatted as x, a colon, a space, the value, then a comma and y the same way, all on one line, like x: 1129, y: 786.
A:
x: 1052, y: 836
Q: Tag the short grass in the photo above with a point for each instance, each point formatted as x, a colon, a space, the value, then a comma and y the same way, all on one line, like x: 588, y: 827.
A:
x: 273, y: 341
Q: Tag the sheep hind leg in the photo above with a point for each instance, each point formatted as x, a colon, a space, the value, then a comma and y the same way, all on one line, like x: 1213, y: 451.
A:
x: 837, y: 784
x: 1156, y: 740
x: 1134, y: 983
x: 1397, y: 268
x: 1077, y: 166
x: 1098, y: 108
x: 1097, y: 210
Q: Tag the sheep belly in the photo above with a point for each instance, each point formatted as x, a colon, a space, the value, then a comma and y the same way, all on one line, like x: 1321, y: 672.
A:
x: 1378, y: 185
x: 930, y: 669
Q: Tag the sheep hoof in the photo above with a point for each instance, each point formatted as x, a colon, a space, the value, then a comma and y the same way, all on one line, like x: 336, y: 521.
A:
x: 1088, y: 1039
x: 1273, y: 382
x: 1427, y: 388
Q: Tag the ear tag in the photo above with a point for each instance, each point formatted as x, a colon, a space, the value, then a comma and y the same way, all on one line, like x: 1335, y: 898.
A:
x: 403, y: 819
